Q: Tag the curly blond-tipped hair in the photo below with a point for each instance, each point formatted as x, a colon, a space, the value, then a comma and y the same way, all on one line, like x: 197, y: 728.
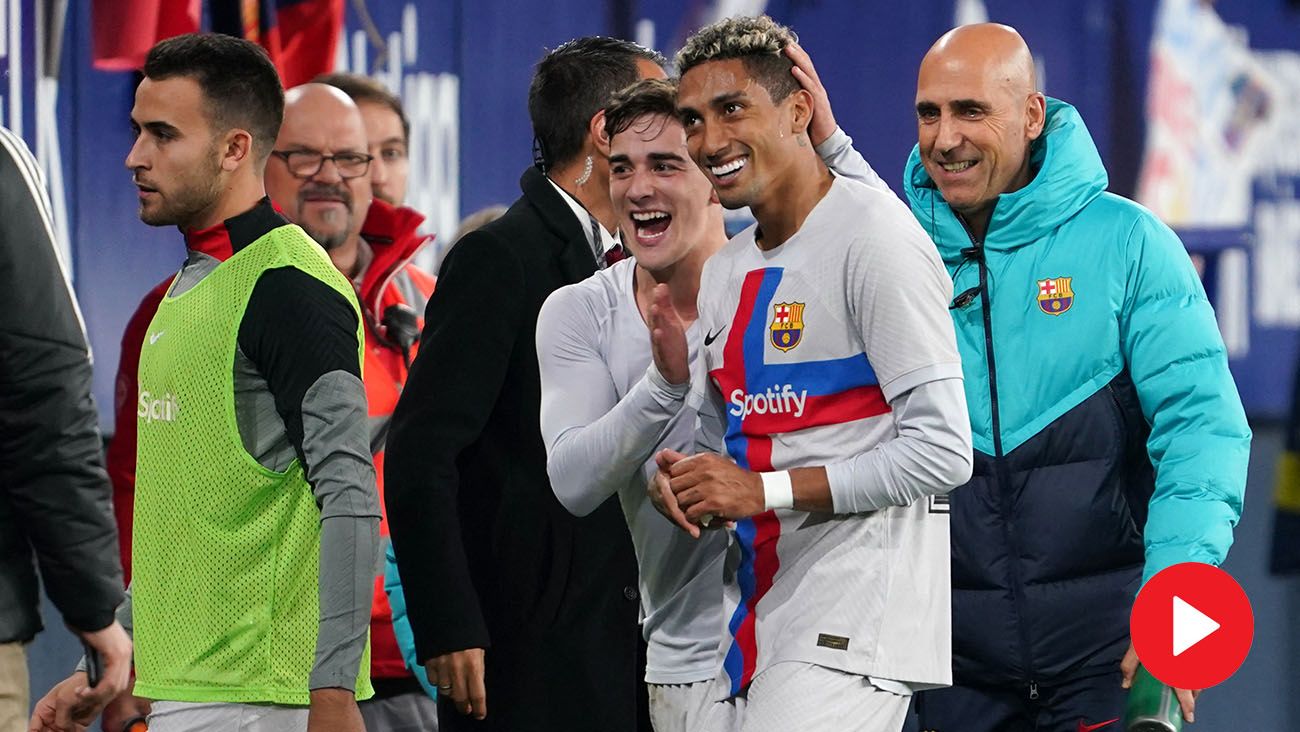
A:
x: 758, y: 42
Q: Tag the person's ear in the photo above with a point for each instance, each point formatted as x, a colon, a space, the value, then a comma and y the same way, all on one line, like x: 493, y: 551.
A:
x: 596, y: 130
x: 1035, y: 115
x: 801, y: 111
x: 236, y: 148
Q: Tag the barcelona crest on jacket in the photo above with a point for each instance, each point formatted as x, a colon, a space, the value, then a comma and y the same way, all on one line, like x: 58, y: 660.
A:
x: 787, y: 324
x: 1055, y: 295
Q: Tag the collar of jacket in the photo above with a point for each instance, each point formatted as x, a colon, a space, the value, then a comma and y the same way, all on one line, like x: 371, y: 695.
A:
x: 1070, y: 175
x: 222, y: 240
x: 392, y: 232
x: 571, y: 248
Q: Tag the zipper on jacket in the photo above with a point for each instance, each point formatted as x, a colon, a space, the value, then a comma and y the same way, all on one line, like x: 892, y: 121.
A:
x: 1000, y: 469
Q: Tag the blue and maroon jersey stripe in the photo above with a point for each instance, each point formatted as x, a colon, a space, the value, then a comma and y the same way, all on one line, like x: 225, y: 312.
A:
x: 835, y: 391
x: 758, y: 565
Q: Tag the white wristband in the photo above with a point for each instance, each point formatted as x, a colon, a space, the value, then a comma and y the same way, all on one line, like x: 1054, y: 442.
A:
x: 778, y: 492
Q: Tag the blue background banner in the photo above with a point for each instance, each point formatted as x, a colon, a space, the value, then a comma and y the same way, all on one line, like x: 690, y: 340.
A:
x: 463, y: 68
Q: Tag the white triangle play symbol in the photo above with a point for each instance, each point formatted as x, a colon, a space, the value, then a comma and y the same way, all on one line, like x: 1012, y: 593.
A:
x: 1191, y: 626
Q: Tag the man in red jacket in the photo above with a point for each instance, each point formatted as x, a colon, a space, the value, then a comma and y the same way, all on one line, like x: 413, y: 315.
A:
x: 372, y: 243
x: 388, y: 132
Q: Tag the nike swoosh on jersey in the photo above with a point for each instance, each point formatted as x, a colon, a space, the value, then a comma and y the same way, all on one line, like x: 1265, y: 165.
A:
x: 709, y: 338
x: 1090, y: 727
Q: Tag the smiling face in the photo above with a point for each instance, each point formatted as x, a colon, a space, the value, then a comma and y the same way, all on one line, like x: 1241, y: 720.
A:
x: 977, y: 113
x: 662, y: 199
x: 176, y: 158
x: 329, y: 207
x: 736, y: 134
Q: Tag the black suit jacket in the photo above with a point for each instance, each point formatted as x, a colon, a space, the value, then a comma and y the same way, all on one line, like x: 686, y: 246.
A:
x: 487, y: 555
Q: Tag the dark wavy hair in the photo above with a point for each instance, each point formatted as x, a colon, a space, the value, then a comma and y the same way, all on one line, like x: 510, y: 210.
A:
x: 574, y: 82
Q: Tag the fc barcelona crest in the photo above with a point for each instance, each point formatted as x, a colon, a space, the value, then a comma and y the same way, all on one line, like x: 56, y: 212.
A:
x: 787, y: 324
x: 1055, y: 296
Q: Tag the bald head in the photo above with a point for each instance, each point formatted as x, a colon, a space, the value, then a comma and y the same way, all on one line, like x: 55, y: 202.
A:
x: 317, y: 108
x: 319, y: 173
x: 992, y: 50
x: 978, y: 111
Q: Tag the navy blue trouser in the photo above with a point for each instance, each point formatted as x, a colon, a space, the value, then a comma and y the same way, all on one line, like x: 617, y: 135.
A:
x: 1079, y: 705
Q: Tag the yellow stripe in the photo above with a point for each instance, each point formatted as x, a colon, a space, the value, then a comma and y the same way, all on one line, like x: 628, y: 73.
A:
x: 1287, y: 492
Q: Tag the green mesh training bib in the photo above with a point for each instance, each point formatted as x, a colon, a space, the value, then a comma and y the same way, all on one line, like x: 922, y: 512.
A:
x: 224, y: 594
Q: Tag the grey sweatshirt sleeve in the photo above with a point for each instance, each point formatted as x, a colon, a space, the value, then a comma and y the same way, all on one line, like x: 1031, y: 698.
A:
x: 838, y: 153
x: 342, y: 476
x: 124, y: 614
x: 595, y: 442
x: 301, y: 335
x: 930, y: 456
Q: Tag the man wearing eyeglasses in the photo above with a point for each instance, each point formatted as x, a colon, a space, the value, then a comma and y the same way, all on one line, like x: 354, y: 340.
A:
x: 387, y: 128
x: 320, y: 174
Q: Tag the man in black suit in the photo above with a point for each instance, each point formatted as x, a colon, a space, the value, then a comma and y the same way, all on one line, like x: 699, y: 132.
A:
x: 510, y: 597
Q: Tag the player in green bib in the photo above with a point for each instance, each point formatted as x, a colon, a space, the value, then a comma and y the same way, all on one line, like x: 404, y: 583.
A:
x: 256, y: 517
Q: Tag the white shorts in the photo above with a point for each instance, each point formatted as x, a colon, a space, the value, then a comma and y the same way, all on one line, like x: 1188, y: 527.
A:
x: 169, y: 716
x: 678, y: 707
x: 802, y: 696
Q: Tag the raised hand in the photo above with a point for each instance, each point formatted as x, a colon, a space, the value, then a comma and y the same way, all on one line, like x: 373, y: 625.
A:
x: 823, y: 124
x: 668, y: 338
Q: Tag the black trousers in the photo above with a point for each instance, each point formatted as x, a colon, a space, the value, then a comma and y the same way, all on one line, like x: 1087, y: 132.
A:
x: 1079, y: 705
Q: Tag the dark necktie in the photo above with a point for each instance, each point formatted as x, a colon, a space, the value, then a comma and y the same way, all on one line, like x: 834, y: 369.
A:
x: 615, y: 254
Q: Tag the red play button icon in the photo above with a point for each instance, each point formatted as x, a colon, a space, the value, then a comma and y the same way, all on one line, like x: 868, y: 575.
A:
x: 1192, y: 626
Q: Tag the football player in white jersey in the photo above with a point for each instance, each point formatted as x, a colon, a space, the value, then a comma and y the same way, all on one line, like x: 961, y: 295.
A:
x: 829, y: 375
x: 608, y: 402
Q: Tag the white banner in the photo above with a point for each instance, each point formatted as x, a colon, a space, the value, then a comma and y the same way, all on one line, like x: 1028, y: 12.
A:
x: 1210, y: 107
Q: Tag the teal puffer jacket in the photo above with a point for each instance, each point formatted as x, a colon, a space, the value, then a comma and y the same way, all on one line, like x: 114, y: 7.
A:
x: 1109, y: 438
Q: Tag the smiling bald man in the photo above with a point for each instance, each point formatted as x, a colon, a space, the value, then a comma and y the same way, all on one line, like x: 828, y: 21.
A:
x: 1110, y: 441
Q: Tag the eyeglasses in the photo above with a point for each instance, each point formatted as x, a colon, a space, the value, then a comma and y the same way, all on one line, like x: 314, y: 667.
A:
x: 306, y: 163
